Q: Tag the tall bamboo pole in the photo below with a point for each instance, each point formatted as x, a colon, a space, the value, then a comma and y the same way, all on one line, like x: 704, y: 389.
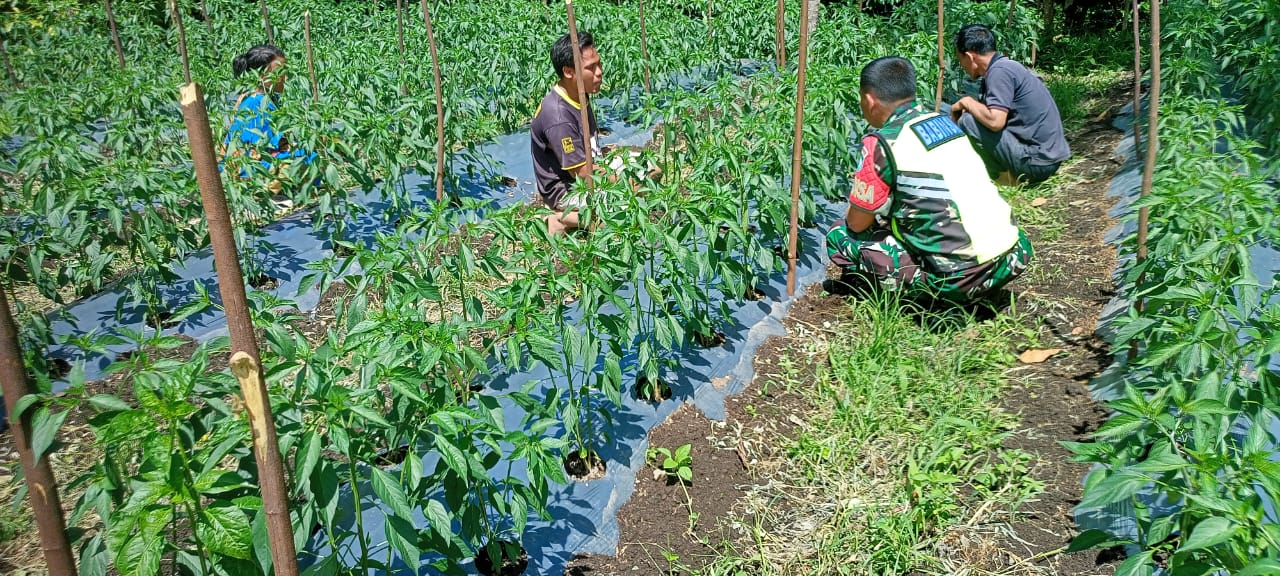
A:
x: 115, y: 34
x: 266, y: 22
x: 435, y: 71
x: 584, y: 101
x: 13, y: 76
x: 244, y: 343
x: 942, y: 61
x: 1008, y: 21
x: 182, y: 40
x: 400, y: 38
x: 644, y: 51
x: 796, y: 165
x: 204, y: 13
x: 709, y: 16
x: 311, y: 59
x: 1137, y: 79
x: 42, y: 487
x: 1153, y: 134
x: 780, y: 34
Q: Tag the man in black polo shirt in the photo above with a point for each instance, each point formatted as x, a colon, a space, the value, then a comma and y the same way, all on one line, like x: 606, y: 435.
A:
x: 559, y: 153
x: 1015, y: 125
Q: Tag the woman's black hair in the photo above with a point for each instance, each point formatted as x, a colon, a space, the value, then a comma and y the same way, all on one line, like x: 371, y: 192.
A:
x: 256, y: 58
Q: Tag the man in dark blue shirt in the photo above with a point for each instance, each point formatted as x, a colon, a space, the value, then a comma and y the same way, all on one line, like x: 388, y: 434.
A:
x: 1014, y: 125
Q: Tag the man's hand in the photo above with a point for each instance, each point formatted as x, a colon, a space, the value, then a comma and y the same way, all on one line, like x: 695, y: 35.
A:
x: 960, y: 107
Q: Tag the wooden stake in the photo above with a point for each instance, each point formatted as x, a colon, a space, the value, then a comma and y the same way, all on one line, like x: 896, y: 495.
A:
x: 644, y: 51
x: 182, y: 40
x: 708, y: 17
x: 1137, y: 80
x: 42, y: 487
x: 244, y: 343
x: 115, y: 34
x: 435, y: 70
x: 1008, y: 21
x: 584, y: 100
x: 311, y: 59
x: 942, y: 61
x: 1153, y: 135
x: 208, y: 24
x: 13, y: 76
x: 266, y: 22
x: 404, y: 89
x: 780, y: 35
x: 796, y: 165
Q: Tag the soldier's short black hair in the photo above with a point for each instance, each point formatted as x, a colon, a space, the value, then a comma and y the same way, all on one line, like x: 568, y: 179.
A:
x: 562, y: 51
x: 975, y: 38
x: 891, y: 79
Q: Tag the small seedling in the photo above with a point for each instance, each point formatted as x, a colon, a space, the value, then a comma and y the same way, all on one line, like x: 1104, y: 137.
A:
x: 677, y: 465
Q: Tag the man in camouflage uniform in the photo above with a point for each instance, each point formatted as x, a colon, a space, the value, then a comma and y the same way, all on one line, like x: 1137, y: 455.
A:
x: 924, y: 216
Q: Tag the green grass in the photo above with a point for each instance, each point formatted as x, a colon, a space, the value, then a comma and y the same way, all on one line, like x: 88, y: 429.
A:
x: 902, y: 447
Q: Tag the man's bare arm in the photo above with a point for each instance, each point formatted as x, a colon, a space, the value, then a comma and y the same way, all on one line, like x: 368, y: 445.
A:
x: 993, y: 118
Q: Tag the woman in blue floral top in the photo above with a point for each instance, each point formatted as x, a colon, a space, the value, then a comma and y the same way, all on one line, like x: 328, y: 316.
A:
x: 251, y: 128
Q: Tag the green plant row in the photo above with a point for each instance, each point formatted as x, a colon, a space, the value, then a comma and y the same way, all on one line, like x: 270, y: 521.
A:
x: 1190, y: 451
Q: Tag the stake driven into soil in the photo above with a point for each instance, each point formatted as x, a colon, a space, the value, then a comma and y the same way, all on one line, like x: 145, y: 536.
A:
x: 208, y: 24
x: 583, y: 100
x: 311, y: 59
x: 1153, y: 136
x: 796, y: 165
x: 115, y: 33
x: 780, y: 34
x: 435, y: 73
x: 243, y: 340
x: 8, y: 66
x: 1137, y: 80
x: 942, y: 61
x: 182, y: 40
x: 400, y: 41
x: 644, y: 52
x: 42, y: 488
x: 266, y: 22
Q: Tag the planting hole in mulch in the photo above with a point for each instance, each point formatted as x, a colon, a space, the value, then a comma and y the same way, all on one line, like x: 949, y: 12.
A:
x: 510, y: 566
x: 710, y: 340
x: 509, y: 182
x: 392, y: 457
x: 584, y: 467
x: 754, y: 294
x: 58, y: 368
x: 654, y: 393
x: 264, y: 282
x: 160, y: 319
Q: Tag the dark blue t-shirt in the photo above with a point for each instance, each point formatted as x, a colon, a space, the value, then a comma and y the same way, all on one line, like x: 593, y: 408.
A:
x: 1033, y: 115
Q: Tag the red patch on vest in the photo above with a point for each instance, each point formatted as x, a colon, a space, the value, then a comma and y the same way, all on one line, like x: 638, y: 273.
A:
x: 870, y: 191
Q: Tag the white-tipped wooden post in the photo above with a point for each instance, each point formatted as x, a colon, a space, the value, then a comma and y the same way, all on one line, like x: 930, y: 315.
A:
x: 942, y: 61
x: 797, y: 166
x: 435, y: 71
x: 245, y: 362
x: 584, y: 101
x: 115, y: 33
x: 311, y: 59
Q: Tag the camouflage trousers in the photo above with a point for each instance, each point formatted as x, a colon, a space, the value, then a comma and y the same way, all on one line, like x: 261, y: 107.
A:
x: 876, y: 253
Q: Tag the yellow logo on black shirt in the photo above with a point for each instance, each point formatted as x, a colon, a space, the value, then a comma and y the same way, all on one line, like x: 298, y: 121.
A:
x: 567, y: 144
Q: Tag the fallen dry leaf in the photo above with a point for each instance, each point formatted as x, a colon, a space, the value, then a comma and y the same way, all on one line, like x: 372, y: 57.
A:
x: 1038, y: 202
x: 1036, y: 356
x: 720, y: 382
x: 1078, y: 330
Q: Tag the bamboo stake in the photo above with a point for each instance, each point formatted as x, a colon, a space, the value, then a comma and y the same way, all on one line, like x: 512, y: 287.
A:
x: 404, y: 90
x: 266, y: 22
x: 644, y: 51
x: 182, y: 41
x: 311, y: 59
x: 244, y: 343
x: 13, y: 76
x: 1008, y: 22
x: 115, y: 34
x: 435, y: 70
x: 708, y: 17
x: 796, y: 165
x: 1153, y: 135
x: 780, y: 35
x: 584, y: 101
x: 204, y: 13
x: 942, y: 61
x: 42, y: 487
x: 1137, y: 80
